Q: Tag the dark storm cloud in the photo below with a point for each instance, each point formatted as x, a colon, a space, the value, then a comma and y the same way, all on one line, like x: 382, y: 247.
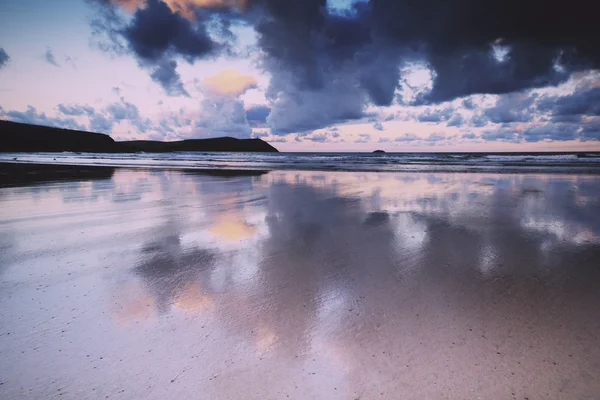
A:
x: 156, y: 36
x: 257, y: 115
x: 585, y: 102
x: 4, y: 58
x: 474, y: 71
x: 155, y: 30
x: 572, y: 119
x: 455, y: 40
x: 590, y: 131
x: 49, y: 57
x: 317, y: 56
x: 515, y: 107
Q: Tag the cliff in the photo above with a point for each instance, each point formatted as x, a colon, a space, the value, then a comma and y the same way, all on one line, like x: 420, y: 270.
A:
x: 17, y: 137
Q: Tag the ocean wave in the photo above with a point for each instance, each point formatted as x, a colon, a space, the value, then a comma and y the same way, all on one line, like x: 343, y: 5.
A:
x: 589, y: 162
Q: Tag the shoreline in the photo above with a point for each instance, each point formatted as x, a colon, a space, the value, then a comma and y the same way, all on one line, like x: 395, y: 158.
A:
x: 512, y: 168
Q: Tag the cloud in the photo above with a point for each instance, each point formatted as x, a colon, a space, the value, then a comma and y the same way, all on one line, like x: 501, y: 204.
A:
x: 479, y: 121
x: 156, y: 35
x: 468, y: 104
x: 4, y: 58
x: 457, y: 120
x: 377, y: 125
x: 474, y: 71
x: 32, y: 116
x: 230, y: 83
x: 500, y: 134
x: 319, y: 138
x: 300, y: 110
x: 540, y: 46
x: 435, y: 137
x: 187, y: 8
x: 259, y: 134
x: 554, y: 132
x: 310, y: 56
x: 384, y: 140
x: 590, y: 130
x: 104, y: 119
x: 566, y: 118
x: 71, y: 61
x: 435, y: 115
x: 407, y: 137
x: 164, y: 72
x: 257, y: 115
x: 331, y: 65
x: 129, y: 5
x: 49, y: 57
x: 222, y: 116
x: 514, y: 107
x: 101, y: 124
x: 468, y: 135
x: 125, y: 111
x: 363, y: 138
x: 76, y: 110
x: 156, y: 31
x: 582, y: 102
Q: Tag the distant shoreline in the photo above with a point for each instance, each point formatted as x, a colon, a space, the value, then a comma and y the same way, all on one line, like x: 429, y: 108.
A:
x: 26, y: 138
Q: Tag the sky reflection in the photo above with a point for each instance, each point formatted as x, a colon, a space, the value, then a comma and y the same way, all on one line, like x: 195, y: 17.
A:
x: 327, y: 284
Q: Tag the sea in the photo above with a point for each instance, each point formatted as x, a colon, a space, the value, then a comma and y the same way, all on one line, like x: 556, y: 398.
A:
x: 580, y: 162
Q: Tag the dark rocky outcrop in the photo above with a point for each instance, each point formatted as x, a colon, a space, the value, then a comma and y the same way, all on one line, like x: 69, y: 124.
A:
x: 216, y: 144
x: 17, y: 137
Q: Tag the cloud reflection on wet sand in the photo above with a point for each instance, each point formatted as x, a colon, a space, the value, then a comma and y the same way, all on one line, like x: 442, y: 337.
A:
x: 308, y: 284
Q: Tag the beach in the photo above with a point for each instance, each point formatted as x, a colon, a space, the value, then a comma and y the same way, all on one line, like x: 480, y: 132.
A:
x: 154, y: 283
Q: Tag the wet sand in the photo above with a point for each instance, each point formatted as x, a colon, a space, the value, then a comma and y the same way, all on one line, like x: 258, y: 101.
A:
x: 165, y: 284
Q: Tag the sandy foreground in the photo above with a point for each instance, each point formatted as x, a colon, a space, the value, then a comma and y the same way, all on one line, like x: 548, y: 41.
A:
x: 158, y: 284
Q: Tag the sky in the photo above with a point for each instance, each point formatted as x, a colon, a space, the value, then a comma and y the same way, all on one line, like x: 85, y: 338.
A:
x: 309, y: 75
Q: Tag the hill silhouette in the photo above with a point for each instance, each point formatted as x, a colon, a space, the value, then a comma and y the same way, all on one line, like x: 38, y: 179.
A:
x: 18, y: 137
